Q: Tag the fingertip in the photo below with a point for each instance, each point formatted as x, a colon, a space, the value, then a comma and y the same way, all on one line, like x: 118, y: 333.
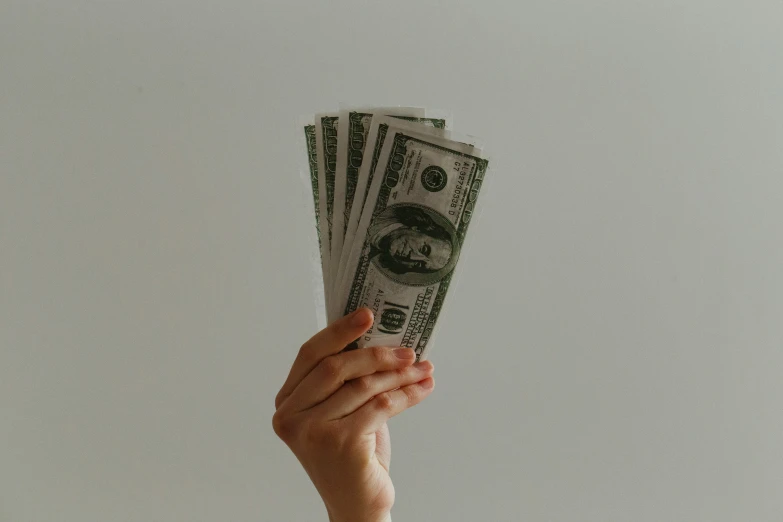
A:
x: 427, y: 384
x: 361, y: 317
x: 426, y: 366
x: 406, y: 355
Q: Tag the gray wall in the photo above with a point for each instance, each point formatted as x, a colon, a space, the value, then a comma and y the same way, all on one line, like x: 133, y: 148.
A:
x: 613, y: 352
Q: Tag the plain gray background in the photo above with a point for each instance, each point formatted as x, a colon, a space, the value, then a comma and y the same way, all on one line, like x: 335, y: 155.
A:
x: 613, y: 352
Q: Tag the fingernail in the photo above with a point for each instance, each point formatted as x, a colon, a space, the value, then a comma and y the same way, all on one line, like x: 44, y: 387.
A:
x: 424, y: 365
x: 404, y: 353
x: 359, y: 317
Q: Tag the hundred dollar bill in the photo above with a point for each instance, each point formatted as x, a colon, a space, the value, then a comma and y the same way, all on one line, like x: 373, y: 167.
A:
x: 312, y: 161
x: 326, y: 125
x: 351, y: 139
x: 319, y: 288
x: 408, y: 241
x: 375, y: 136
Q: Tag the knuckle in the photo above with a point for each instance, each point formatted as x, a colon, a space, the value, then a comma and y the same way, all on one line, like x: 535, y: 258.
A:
x: 331, y: 366
x: 384, y: 402
x: 378, y: 354
x: 411, y: 394
x: 282, y: 426
x: 306, y: 348
x: 308, y: 353
x: 363, y: 385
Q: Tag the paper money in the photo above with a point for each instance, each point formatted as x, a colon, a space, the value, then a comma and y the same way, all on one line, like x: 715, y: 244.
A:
x: 419, y: 204
x: 351, y: 140
x: 393, y: 201
x: 375, y: 133
x: 312, y: 161
x: 326, y: 153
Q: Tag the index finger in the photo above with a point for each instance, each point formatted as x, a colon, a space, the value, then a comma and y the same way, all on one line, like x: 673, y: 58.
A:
x: 329, y: 341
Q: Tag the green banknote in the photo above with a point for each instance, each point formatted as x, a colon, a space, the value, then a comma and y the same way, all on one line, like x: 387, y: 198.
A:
x: 420, y: 202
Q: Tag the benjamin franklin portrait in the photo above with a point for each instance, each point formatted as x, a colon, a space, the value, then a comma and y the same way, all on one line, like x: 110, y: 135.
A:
x: 412, y: 244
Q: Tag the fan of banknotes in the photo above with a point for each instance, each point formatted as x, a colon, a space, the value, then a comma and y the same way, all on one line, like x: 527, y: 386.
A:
x: 394, y: 192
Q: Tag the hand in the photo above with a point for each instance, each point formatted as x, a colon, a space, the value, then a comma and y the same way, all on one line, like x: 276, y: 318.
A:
x: 332, y: 413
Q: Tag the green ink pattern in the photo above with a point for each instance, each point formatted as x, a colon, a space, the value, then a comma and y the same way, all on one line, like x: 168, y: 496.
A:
x: 312, y: 160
